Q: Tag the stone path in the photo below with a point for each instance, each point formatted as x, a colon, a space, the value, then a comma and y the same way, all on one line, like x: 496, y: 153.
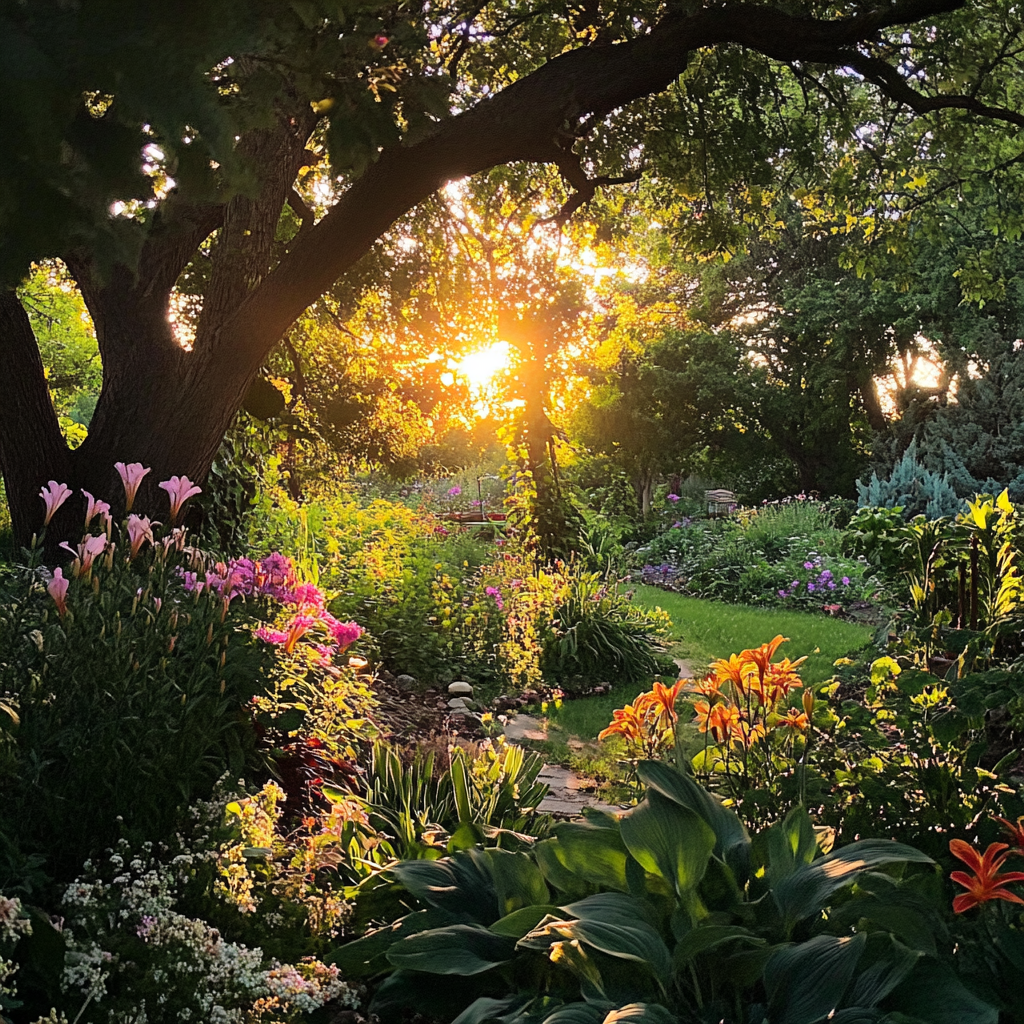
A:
x: 568, y: 794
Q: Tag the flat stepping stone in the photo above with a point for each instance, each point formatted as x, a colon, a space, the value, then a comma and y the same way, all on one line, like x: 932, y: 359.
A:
x: 685, y: 668
x: 526, y: 727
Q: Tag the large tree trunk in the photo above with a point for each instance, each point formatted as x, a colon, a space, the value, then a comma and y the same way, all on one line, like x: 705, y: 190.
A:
x: 32, y: 449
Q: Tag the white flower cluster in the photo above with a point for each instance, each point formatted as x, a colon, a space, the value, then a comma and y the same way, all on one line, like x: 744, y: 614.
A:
x: 170, y: 966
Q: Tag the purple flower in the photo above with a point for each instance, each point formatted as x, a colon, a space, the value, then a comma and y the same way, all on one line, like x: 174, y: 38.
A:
x: 810, y: 586
x: 782, y: 593
x: 673, y: 498
x: 808, y: 565
x: 454, y: 492
x: 496, y: 594
x: 846, y: 581
x: 831, y: 585
x: 795, y: 584
x: 345, y: 634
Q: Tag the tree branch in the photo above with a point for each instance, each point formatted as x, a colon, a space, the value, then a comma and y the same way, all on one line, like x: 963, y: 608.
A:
x: 522, y: 122
x: 894, y: 85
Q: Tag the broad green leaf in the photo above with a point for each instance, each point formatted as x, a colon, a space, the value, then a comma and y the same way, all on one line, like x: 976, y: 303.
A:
x: 885, y: 964
x: 612, y: 908
x: 669, y: 840
x: 593, y: 854
x: 485, y: 1008
x: 366, y: 956
x: 575, y: 1013
x: 791, y: 844
x: 638, y: 942
x: 517, y: 880
x: 520, y: 922
x: 808, y: 890
x: 933, y: 993
x: 461, y: 884
x: 703, y: 938
x: 729, y: 830
x: 806, y: 982
x: 463, y: 949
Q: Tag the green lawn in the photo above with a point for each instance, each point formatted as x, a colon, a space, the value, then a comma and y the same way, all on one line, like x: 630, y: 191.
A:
x: 705, y: 630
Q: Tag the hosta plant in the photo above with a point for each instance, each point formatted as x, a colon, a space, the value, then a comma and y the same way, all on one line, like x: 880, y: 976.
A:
x: 673, y: 913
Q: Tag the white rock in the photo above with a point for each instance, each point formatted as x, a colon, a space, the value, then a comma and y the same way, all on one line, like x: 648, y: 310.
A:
x: 460, y: 689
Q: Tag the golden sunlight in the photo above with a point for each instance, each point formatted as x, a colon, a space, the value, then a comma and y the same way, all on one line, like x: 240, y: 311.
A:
x: 483, y: 365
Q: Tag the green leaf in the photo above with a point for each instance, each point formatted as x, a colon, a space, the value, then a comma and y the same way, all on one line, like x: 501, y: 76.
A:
x: 669, y: 840
x: 791, y: 844
x: 590, y: 853
x: 485, y: 1008
x: 933, y: 993
x: 892, y: 962
x: 464, y: 949
x: 805, y: 983
x: 520, y: 922
x: 730, y: 832
x: 517, y: 879
x: 459, y: 884
x: 639, y: 942
x: 707, y: 937
x: 808, y: 890
x: 366, y: 956
x: 575, y: 1013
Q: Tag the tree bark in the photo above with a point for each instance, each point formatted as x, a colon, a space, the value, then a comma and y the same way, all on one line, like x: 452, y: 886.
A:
x: 32, y: 448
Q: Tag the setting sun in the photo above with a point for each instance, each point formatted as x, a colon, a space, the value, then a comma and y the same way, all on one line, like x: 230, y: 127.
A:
x: 483, y: 365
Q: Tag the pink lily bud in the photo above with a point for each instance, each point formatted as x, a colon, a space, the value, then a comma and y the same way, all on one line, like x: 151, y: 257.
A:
x: 95, y: 508
x: 131, y: 476
x: 88, y: 551
x: 179, y: 489
x: 140, y: 529
x: 54, y: 495
x: 57, y: 588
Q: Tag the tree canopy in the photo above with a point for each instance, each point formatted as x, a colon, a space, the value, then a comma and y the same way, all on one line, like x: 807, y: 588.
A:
x: 279, y: 142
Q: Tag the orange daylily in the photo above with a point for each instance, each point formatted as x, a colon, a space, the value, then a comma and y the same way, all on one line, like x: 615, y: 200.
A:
x: 1016, y: 832
x: 625, y: 722
x: 986, y: 883
x: 783, y: 674
x: 733, y: 669
x: 709, y: 686
x: 742, y: 733
x: 717, y: 718
x: 664, y: 698
x: 794, y: 720
x: 762, y: 656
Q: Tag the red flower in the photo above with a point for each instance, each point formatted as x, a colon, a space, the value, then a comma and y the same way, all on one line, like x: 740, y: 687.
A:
x: 1016, y: 832
x: 986, y: 883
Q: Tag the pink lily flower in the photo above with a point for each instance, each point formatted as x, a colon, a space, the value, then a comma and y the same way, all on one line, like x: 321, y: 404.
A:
x: 140, y: 529
x: 345, y: 633
x: 57, y: 588
x: 297, y: 629
x: 88, y: 551
x: 271, y: 636
x: 131, y: 476
x: 179, y: 489
x: 54, y: 495
x: 94, y: 508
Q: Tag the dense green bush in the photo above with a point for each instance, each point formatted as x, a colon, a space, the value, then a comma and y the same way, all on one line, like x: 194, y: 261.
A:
x: 673, y: 913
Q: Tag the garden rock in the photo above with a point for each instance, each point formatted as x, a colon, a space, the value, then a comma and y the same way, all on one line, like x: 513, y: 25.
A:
x: 460, y: 689
x: 458, y: 703
x: 406, y: 682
